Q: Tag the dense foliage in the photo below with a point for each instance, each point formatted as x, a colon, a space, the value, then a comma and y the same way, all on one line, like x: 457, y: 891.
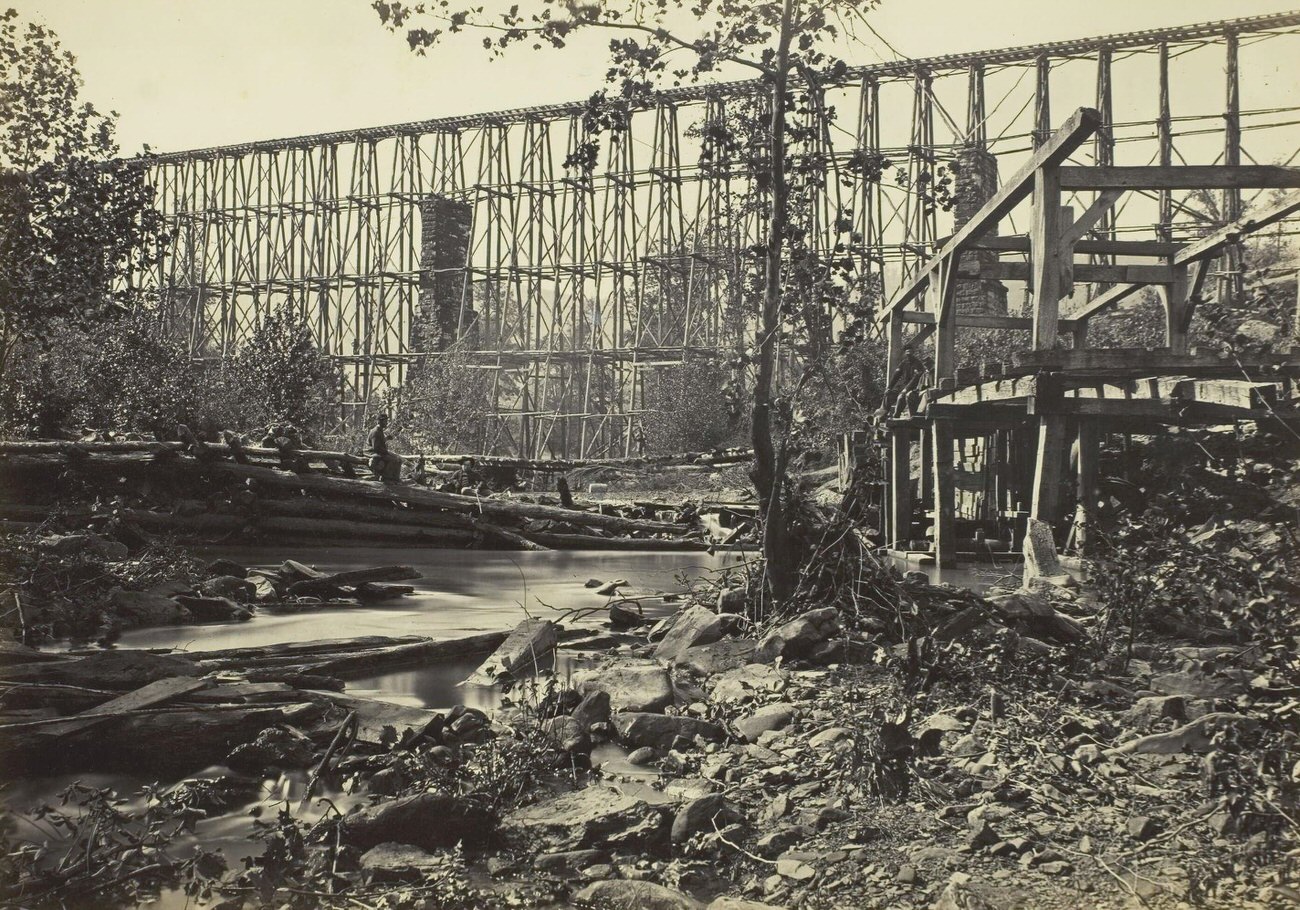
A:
x: 128, y: 374
x: 76, y: 225
x: 446, y: 404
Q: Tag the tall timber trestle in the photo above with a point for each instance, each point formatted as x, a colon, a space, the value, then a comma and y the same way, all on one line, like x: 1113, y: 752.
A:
x: 468, y: 234
x: 1026, y: 413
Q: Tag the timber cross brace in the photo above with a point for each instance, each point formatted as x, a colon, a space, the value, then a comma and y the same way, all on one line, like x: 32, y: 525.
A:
x: 1020, y: 420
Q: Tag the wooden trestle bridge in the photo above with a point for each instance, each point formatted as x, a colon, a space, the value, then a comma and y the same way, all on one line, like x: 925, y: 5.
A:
x: 1027, y: 413
x: 468, y: 236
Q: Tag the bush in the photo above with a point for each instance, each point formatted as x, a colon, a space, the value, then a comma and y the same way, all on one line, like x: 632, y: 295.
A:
x: 128, y: 374
x: 280, y: 376
x: 446, y: 405
x: 694, y: 407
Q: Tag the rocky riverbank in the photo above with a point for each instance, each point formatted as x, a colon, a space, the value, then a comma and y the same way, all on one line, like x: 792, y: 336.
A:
x: 1009, y: 761
x: 885, y: 743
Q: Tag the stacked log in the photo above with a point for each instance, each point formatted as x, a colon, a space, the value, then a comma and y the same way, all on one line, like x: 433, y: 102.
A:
x: 313, y: 507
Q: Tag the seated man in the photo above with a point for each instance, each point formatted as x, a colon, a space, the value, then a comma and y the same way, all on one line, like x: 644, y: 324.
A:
x: 386, y: 465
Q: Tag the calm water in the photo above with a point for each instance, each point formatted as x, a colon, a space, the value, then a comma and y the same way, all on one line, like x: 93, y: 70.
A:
x: 461, y: 593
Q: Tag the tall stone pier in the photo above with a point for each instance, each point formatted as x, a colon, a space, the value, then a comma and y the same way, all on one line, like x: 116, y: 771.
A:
x: 976, y: 181
x: 446, y: 226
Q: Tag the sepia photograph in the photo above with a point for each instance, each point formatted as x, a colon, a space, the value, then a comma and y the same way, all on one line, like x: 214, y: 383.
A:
x: 649, y: 455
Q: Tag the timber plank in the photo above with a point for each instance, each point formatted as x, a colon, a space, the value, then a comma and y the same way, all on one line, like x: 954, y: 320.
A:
x: 155, y: 693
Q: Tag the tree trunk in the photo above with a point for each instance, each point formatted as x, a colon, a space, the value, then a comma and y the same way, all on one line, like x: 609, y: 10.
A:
x: 782, y: 568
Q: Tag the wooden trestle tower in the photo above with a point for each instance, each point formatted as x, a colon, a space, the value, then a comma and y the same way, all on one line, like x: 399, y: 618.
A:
x: 1029, y: 412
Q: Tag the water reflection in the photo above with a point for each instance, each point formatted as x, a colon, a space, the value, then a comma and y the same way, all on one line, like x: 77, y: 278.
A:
x: 462, y: 593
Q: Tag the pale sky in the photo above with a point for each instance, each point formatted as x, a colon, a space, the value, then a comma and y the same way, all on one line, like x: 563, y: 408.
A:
x: 194, y: 73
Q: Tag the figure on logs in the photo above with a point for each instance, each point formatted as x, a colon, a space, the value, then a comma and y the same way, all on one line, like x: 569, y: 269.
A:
x: 386, y: 465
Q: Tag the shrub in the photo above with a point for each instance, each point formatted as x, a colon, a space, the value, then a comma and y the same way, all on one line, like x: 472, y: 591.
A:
x: 445, y: 405
x: 129, y: 374
x: 281, y: 376
x: 693, y: 407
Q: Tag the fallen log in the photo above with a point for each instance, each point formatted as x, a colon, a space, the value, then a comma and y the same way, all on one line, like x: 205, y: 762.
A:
x: 511, y: 538
x: 163, y: 740
x: 297, y: 649
x: 329, y: 584
x: 560, y: 465
x: 126, y: 446
x: 155, y: 693
x: 340, y: 486
x: 367, y: 663
x: 638, y: 544
x: 319, y: 530
x: 525, y: 647
x: 348, y: 658
x: 301, y: 507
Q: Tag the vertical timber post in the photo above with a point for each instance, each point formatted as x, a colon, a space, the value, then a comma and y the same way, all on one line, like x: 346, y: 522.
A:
x: 945, y: 493
x: 899, y: 523
x: 1230, y: 284
x: 1047, y: 468
x: 1044, y: 245
x: 1175, y: 298
x: 1089, y: 476
x: 1042, y: 101
x: 1165, y: 151
x: 943, y: 487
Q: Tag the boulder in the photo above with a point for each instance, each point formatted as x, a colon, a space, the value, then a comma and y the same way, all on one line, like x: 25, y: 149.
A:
x: 696, y: 626
x: 568, y: 733
x: 718, y: 657
x: 381, y: 722
x: 659, y: 730
x: 593, y: 709
x: 705, y: 813
x: 631, y: 685
x: 144, y: 608
x: 799, y: 637
x: 214, y: 609
x: 621, y: 616
x: 768, y: 717
x: 598, y: 816
x: 732, y: 600
x: 640, y: 757
x: 226, y: 567
x: 568, y: 862
x: 432, y: 821
x: 234, y: 587
x: 1192, y: 685
x: 72, y: 544
x: 832, y: 738
x: 393, y: 862
x: 621, y: 893
x: 744, y: 683
x: 1150, y: 708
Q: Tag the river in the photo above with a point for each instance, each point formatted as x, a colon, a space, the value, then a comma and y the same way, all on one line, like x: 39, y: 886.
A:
x: 460, y: 593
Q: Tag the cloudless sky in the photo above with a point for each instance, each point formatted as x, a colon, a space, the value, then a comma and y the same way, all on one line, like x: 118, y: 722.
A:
x: 194, y: 73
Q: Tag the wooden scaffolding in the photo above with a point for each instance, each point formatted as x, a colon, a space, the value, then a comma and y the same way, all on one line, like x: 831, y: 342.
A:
x: 1025, y: 415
